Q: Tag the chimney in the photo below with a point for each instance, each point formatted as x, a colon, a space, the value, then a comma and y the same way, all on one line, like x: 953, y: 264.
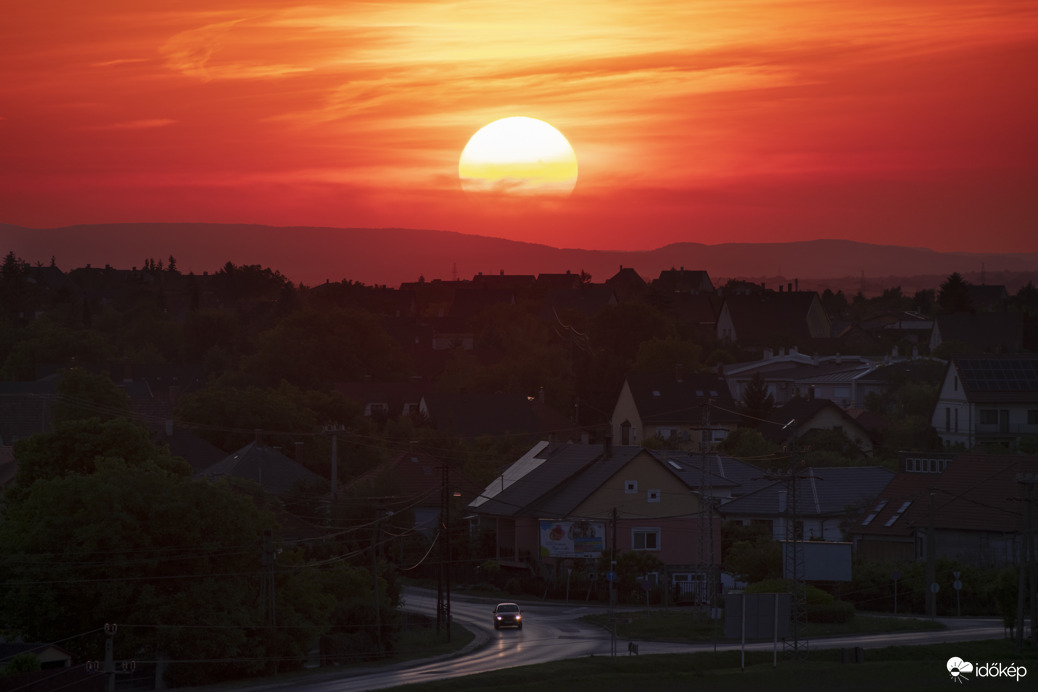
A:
x: 607, y: 449
x: 796, y: 284
x: 789, y: 287
x: 780, y: 288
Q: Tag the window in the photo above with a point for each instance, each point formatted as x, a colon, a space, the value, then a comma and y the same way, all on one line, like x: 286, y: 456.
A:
x: 872, y: 515
x: 645, y: 539
x: 654, y: 496
x: 988, y: 416
x: 947, y: 419
x: 630, y: 487
x: 956, y: 420
x: 897, y: 514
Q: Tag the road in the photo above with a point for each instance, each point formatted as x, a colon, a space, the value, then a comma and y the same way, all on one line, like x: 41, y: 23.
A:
x: 554, y: 632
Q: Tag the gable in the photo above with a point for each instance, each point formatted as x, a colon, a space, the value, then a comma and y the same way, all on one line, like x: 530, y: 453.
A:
x: 642, y: 487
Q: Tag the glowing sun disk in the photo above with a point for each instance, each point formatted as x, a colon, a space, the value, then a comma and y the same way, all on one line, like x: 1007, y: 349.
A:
x: 518, y: 155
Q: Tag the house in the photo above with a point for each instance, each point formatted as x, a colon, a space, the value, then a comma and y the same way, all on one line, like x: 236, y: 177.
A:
x: 799, y: 419
x: 564, y: 503
x: 683, y: 281
x: 457, y: 329
x: 789, y: 374
x: 982, y: 332
x: 414, y: 481
x: 987, y: 298
x: 386, y: 399
x: 586, y: 300
x: 25, y: 408
x: 685, y: 408
x: 565, y: 282
x: 627, y: 284
x: 267, y: 467
x: 718, y: 476
x: 986, y: 400
x: 826, y: 501
x: 969, y: 499
x: 796, y: 317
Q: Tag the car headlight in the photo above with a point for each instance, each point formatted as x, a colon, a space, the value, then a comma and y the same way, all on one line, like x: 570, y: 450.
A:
x: 518, y: 617
x: 498, y: 617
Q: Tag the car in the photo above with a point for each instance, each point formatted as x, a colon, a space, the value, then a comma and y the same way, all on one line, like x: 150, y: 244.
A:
x: 508, y: 615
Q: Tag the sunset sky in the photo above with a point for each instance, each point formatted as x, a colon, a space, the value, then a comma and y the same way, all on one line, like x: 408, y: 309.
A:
x: 887, y: 121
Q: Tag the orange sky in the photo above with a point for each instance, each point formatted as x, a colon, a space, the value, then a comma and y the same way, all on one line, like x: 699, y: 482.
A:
x: 886, y: 121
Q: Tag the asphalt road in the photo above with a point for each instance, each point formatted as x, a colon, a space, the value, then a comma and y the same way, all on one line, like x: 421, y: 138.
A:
x: 553, y: 632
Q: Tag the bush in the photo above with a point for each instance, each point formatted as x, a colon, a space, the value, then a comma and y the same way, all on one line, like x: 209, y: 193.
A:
x: 821, y: 606
x: 837, y: 612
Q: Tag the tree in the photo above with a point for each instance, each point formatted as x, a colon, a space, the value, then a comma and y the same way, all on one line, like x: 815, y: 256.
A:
x: 45, y: 341
x: 749, y: 444
x: 757, y: 401
x: 658, y: 354
x: 83, y: 395
x: 313, y: 349
x: 750, y: 553
x: 228, y: 416
x: 135, y: 545
x: 77, y: 447
x: 953, y: 295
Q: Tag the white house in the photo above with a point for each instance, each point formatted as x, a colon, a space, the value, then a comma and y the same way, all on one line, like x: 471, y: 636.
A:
x: 988, y: 400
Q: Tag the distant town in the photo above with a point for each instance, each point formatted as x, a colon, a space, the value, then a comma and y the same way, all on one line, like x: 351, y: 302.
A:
x: 244, y: 472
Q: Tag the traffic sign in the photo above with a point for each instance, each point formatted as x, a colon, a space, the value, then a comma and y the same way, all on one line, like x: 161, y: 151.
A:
x: 935, y: 587
x: 610, y: 575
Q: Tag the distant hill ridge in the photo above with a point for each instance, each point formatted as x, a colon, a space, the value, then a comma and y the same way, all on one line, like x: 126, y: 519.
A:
x: 391, y: 256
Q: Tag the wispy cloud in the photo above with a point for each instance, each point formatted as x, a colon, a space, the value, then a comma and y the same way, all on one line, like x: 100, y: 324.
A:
x: 135, y: 124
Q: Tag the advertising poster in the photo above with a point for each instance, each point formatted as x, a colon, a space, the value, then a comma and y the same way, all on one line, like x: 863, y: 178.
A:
x: 572, y: 538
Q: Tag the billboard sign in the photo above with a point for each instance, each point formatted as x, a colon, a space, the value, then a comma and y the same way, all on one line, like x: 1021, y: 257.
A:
x: 572, y: 538
x: 821, y: 560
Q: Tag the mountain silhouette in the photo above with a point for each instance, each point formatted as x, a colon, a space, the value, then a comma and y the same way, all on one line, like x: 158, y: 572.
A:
x: 390, y: 256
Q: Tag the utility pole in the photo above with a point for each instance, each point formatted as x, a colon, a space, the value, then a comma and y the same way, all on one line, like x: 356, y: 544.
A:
x: 110, y: 629
x: 795, y: 562
x: 443, y: 589
x: 1027, y: 593
x: 931, y: 561
x: 335, y: 429
x: 612, y: 565
x: 706, y: 514
x: 793, y: 567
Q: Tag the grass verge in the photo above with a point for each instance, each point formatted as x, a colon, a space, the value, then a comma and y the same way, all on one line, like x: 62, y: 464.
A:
x: 682, y: 625
x: 894, y: 668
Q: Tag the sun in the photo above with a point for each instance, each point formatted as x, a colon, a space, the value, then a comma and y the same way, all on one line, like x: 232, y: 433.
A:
x: 518, y: 156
